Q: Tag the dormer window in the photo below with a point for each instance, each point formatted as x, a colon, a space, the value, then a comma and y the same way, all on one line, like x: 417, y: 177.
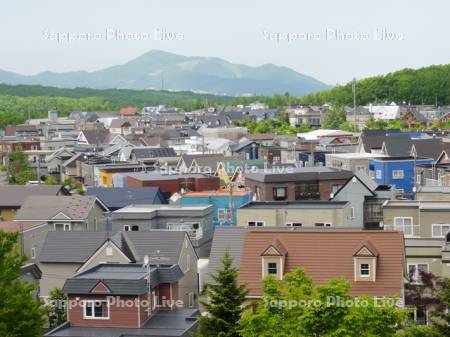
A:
x: 273, y: 260
x: 365, y: 263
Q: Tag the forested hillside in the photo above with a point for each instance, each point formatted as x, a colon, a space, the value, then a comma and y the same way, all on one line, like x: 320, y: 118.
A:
x: 428, y: 85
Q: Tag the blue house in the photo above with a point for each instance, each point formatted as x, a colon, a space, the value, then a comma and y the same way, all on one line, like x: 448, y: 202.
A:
x: 220, y: 200
x: 396, y: 171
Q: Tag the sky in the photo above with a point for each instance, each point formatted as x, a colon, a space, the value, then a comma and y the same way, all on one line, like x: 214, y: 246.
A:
x: 333, y: 41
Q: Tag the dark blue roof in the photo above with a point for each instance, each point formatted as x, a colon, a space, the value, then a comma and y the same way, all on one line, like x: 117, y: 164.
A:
x: 119, y: 197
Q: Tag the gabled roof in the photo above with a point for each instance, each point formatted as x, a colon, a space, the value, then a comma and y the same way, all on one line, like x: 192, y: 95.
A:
x: 323, y: 254
x: 239, y: 146
x: 166, y: 245
x: 275, y: 248
x: 299, y: 174
x: 15, y: 195
x: 118, y: 197
x: 96, y: 136
x: 71, y: 246
x: 365, y: 181
x: 120, y: 279
x: 120, y: 123
x: 397, y: 146
x: 366, y: 249
x: 75, y: 207
x: 373, y: 139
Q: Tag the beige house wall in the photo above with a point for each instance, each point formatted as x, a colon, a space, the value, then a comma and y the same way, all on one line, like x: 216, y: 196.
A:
x: 307, y: 217
x: 189, y: 283
x: 422, y: 221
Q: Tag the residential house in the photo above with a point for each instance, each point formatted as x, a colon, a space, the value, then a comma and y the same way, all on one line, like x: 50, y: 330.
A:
x: 264, y: 139
x: 307, y: 213
x: 289, y: 184
x: 372, y: 261
x: 7, y: 146
x: 233, y: 134
x: 119, y: 197
x: 65, y: 253
x: 129, y: 111
x: 96, y: 137
x: 396, y: 171
x: 12, y: 197
x: 55, y: 160
x: 64, y: 213
x: 196, y: 220
x: 386, y: 112
x: 425, y: 225
x: 100, y: 296
x: 414, y: 118
x: 225, y: 203
x: 172, y: 183
x: 366, y: 199
x: 246, y: 150
x: 23, y: 131
x: 148, y: 155
x: 305, y: 115
x: 358, y: 117
x: 326, y: 133
x: 31, y: 274
x: 122, y: 126
x: 371, y: 141
x: 356, y: 162
x: 104, y: 173
x: 197, y: 163
x: 433, y: 193
x: 234, y: 170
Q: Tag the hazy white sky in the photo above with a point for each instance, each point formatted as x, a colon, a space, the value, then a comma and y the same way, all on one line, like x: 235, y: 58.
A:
x: 234, y: 30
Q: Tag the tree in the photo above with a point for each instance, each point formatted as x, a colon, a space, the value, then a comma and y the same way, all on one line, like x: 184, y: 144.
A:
x: 50, y: 180
x: 224, y: 305
x: 442, y: 321
x: 56, y: 309
x: 297, y: 307
x: 19, y: 170
x: 334, y: 117
x: 20, y: 314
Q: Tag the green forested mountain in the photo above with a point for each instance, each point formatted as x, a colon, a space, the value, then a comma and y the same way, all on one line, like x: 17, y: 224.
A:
x: 158, y: 69
x: 429, y: 85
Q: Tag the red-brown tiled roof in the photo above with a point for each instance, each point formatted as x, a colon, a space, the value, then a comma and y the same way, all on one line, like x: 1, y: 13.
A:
x: 326, y: 254
x: 18, y: 226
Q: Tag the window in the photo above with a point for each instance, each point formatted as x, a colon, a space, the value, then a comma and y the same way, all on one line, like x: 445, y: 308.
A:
x: 222, y: 214
x: 109, y: 251
x: 378, y: 174
x: 321, y: 224
x: 307, y: 191
x: 398, y: 174
x: 364, y: 270
x: 272, y: 268
x: 294, y: 224
x: 352, y: 212
x: 335, y: 188
x: 191, y: 300
x: 280, y: 193
x: 96, y: 310
x: 405, y: 225
x: 440, y: 230
x: 188, y: 263
x: 63, y: 227
x: 33, y: 252
x: 418, y: 179
x: 131, y: 228
x: 415, y: 271
x: 360, y: 168
x: 255, y: 224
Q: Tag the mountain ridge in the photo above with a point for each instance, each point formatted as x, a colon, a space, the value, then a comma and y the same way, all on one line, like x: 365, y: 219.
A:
x: 158, y: 69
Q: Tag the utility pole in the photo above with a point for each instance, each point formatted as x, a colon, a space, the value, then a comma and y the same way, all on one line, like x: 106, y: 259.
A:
x: 162, y: 80
x: 354, y: 97
x: 230, y: 205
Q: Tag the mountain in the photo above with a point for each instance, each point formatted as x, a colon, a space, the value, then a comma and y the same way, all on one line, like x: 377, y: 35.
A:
x: 158, y: 69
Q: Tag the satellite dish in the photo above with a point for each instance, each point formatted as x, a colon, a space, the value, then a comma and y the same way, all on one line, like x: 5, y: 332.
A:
x: 146, y: 260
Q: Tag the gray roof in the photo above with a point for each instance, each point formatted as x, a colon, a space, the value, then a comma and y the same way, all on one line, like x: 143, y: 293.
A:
x: 15, y: 195
x: 225, y: 239
x: 76, y: 207
x: 397, y: 146
x: 118, y: 197
x: 71, y: 247
x: 299, y: 174
x: 239, y: 146
x: 208, y: 160
x: 151, y: 152
x: 121, y: 279
x: 97, y: 136
x: 165, y: 323
x: 163, y: 245
x: 433, y: 189
x: 164, y: 176
x: 306, y: 204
